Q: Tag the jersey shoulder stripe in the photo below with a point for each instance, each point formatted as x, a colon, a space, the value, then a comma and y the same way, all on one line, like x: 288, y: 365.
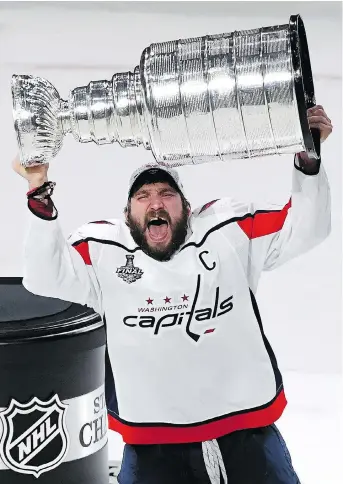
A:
x: 83, y: 249
x: 264, y: 222
x: 99, y: 230
x: 251, y: 220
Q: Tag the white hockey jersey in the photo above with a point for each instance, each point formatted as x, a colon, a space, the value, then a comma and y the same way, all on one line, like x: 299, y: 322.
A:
x: 187, y: 356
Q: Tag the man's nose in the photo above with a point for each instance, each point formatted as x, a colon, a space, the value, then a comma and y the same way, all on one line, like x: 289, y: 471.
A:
x: 156, y: 202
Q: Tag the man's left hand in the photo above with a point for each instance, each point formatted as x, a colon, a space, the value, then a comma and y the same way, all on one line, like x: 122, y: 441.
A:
x: 317, y: 118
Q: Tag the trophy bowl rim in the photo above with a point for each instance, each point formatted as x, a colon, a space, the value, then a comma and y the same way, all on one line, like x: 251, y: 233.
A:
x: 303, y: 83
x: 37, y: 155
x: 16, y: 105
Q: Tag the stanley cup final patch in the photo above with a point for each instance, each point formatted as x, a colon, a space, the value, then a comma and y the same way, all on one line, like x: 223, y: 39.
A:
x: 34, y: 438
x: 129, y: 273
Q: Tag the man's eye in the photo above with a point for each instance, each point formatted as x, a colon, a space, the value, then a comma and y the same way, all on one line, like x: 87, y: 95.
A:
x: 168, y: 194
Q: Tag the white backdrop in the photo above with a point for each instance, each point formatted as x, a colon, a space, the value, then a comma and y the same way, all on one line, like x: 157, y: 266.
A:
x: 72, y: 43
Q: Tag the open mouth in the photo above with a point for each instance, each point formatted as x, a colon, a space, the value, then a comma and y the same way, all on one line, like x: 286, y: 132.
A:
x: 158, y: 228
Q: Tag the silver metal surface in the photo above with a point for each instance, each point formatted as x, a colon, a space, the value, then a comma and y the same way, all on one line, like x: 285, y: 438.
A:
x: 217, y: 97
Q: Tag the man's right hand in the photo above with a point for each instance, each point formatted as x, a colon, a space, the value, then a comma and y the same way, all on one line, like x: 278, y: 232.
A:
x: 35, y: 175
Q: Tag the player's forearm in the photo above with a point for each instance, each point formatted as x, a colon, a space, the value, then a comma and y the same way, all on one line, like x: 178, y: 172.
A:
x: 52, y: 267
x: 311, y: 205
x: 308, y: 220
x: 44, y: 263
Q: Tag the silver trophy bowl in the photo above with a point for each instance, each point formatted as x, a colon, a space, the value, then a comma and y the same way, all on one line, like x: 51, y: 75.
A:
x: 219, y: 97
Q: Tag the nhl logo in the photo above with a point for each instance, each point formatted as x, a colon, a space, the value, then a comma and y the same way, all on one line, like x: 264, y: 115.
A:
x: 34, y: 438
x: 129, y: 273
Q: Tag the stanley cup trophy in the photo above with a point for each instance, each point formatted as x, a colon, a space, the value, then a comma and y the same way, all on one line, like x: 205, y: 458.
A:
x: 219, y: 97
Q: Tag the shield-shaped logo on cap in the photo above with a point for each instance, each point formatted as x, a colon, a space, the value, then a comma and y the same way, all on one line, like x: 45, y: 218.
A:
x: 35, y: 437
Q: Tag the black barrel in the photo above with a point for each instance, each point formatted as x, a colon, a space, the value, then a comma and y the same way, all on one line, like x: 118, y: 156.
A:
x: 53, y: 419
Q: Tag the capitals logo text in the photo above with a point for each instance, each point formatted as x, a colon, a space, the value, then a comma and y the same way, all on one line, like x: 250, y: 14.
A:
x: 183, y: 315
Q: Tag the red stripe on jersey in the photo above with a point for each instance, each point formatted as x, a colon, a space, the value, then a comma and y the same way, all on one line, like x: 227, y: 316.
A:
x: 207, y: 205
x: 200, y: 433
x: 265, y: 223
x: 83, y: 250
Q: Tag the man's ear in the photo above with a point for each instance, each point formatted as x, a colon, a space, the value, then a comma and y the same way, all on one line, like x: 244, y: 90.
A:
x: 126, y: 213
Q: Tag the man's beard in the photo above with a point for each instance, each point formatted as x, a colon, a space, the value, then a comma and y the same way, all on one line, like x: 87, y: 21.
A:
x: 178, y: 229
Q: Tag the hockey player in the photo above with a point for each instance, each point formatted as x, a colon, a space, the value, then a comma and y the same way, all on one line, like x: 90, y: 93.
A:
x: 192, y: 384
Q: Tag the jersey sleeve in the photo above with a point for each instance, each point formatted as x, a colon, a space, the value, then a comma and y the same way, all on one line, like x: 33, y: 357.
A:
x: 270, y: 235
x: 60, y: 267
x: 277, y: 234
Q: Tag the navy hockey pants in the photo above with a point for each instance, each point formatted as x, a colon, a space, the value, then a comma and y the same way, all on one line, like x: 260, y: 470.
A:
x: 254, y: 456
